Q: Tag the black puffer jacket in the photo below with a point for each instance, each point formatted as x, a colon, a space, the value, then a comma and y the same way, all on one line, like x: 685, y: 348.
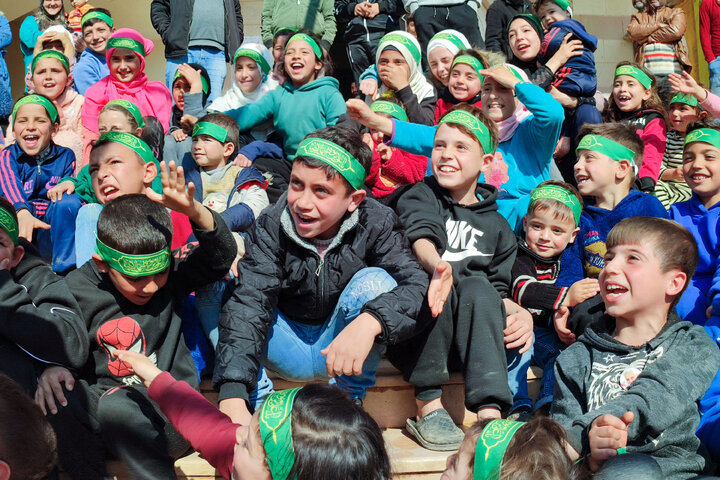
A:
x: 497, y: 19
x: 282, y: 270
x: 171, y: 19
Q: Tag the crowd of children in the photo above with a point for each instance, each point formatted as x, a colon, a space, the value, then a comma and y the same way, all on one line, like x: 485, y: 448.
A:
x: 481, y: 217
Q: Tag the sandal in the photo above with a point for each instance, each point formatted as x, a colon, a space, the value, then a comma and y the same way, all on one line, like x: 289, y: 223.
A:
x: 436, y: 431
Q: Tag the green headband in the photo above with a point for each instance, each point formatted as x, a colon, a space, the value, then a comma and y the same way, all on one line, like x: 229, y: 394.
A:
x: 467, y: 119
x: 450, y: 38
x: 392, y: 109
x: 8, y: 223
x: 131, y: 108
x: 259, y: 59
x: 491, y: 447
x: 203, y: 82
x: 560, y: 194
x: 335, y: 156
x: 707, y: 135
x: 686, y: 99
x: 132, y: 142
x: 276, y: 432
x: 473, y: 62
x: 129, y: 43
x: 636, y: 73
x: 210, y: 129
x: 564, y: 4
x: 604, y: 145
x: 50, y: 54
x: 134, y: 265
x: 405, y: 42
x: 99, y: 15
x: 307, y: 38
x: 40, y: 100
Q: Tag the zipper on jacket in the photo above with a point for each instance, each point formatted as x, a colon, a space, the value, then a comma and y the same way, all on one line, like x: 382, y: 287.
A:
x: 319, y: 273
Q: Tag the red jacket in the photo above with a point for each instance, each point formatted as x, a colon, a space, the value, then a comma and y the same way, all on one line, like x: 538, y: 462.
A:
x: 710, y: 29
x: 208, y: 430
x: 402, y: 168
x: 446, y: 101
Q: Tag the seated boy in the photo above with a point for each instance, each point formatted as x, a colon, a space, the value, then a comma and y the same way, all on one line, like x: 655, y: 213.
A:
x: 608, y: 155
x: 32, y: 166
x: 461, y: 240
x: 626, y: 385
x: 129, y: 296
x: 236, y: 193
x: 39, y: 317
x: 327, y: 279
x: 28, y: 448
x: 550, y: 224
x: 97, y: 26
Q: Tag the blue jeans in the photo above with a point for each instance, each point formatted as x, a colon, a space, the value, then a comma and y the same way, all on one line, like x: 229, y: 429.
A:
x: 86, y: 232
x: 208, y: 301
x: 58, y: 243
x: 211, y: 58
x: 714, y: 68
x: 293, y: 349
x: 517, y: 377
x: 546, y: 348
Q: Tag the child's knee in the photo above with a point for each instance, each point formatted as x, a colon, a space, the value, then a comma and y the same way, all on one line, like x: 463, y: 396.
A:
x: 70, y: 204
x: 368, y: 283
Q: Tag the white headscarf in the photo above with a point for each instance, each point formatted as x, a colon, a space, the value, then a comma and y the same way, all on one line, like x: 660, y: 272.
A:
x: 450, y: 39
x: 235, y: 98
x: 409, y: 48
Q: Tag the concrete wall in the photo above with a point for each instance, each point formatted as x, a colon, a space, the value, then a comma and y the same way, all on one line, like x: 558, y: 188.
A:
x: 607, y: 19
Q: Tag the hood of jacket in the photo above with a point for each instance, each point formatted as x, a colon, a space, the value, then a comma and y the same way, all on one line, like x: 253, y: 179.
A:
x: 314, y: 85
x: 598, y: 335
x: 487, y: 194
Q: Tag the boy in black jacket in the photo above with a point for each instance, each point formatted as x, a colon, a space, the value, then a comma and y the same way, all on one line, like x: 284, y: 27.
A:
x: 38, y: 315
x: 130, y: 296
x: 632, y: 382
x: 327, y: 280
x: 469, y: 248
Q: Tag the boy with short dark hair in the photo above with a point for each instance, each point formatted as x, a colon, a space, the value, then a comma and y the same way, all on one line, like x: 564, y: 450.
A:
x: 97, y: 25
x: 469, y: 249
x: 28, y: 449
x: 626, y: 385
x: 130, y: 295
x: 327, y: 280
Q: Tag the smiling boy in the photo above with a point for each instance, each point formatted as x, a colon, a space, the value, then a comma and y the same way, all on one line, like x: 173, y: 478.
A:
x: 97, y: 26
x: 327, y: 279
x: 626, y: 384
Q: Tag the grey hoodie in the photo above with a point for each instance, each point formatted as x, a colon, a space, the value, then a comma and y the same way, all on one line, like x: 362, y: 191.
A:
x: 661, y: 382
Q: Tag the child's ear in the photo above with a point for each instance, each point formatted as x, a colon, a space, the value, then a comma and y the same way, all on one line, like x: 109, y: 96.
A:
x: 356, y: 198
x: 525, y: 223
x: 138, y: 132
x: 54, y: 129
x: 151, y: 172
x: 623, y: 169
x: 574, y: 234
x: 4, y: 471
x: 648, y: 93
x: 702, y: 115
x: 69, y: 80
x: 228, y: 149
x: 101, y: 264
x: 487, y: 160
x: 17, y: 256
x: 676, y: 283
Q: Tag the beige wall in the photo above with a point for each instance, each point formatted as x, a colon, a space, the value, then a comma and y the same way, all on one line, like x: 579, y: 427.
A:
x: 607, y: 19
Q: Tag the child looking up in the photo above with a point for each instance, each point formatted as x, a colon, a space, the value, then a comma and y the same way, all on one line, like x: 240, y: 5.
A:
x: 32, y: 166
x: 320, y: 434
x: 464, y: 84
x: 635, y: 101
x: 125, y: 55
x: 532, y: 117
x: 97, y: 26
x: 326, y: 271
x: 625, y: 384
x: 550, y: 224
x: 309, y: 90
x: 391, y: 168
x: 129, y: 295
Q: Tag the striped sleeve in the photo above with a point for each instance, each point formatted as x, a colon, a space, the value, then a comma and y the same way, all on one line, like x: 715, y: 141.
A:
x: 10, y: 181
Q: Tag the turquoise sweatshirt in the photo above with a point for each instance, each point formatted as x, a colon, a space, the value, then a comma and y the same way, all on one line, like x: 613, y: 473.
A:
x: 521, y: 163
x: 295, y: 112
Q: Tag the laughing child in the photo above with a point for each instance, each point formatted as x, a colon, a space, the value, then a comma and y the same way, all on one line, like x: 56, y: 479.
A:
x: 464, y: 82
x: 327, y: 280
x: 625, y: 385
x: 97, y: 26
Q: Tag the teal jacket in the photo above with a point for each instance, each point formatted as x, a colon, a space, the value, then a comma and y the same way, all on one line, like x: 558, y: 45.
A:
x: 521, y: 162
x: 295, y: 112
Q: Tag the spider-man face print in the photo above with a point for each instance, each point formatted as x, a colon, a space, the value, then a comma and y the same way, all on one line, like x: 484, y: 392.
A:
x: 121, y: 334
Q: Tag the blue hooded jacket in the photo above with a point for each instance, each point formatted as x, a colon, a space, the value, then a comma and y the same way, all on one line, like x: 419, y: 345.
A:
x: 578, y: 77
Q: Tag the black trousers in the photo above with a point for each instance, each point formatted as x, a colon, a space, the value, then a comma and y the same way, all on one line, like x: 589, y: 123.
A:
x: 467, y: 337
x: 430, y: 20
x: 361, y: 54
x: 119, y: 422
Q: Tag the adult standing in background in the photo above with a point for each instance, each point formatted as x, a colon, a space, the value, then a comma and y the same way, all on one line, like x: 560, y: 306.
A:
x: 5, y: 93
x: 432, y: 16
x: 710, y: 40
x: 318, y: 16
x: 50, y: 12
x: 208, y: 35
x: 497, y: 20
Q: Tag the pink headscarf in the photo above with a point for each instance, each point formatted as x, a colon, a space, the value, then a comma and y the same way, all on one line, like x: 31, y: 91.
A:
x: 152, y: 98
x: 507, y: 127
